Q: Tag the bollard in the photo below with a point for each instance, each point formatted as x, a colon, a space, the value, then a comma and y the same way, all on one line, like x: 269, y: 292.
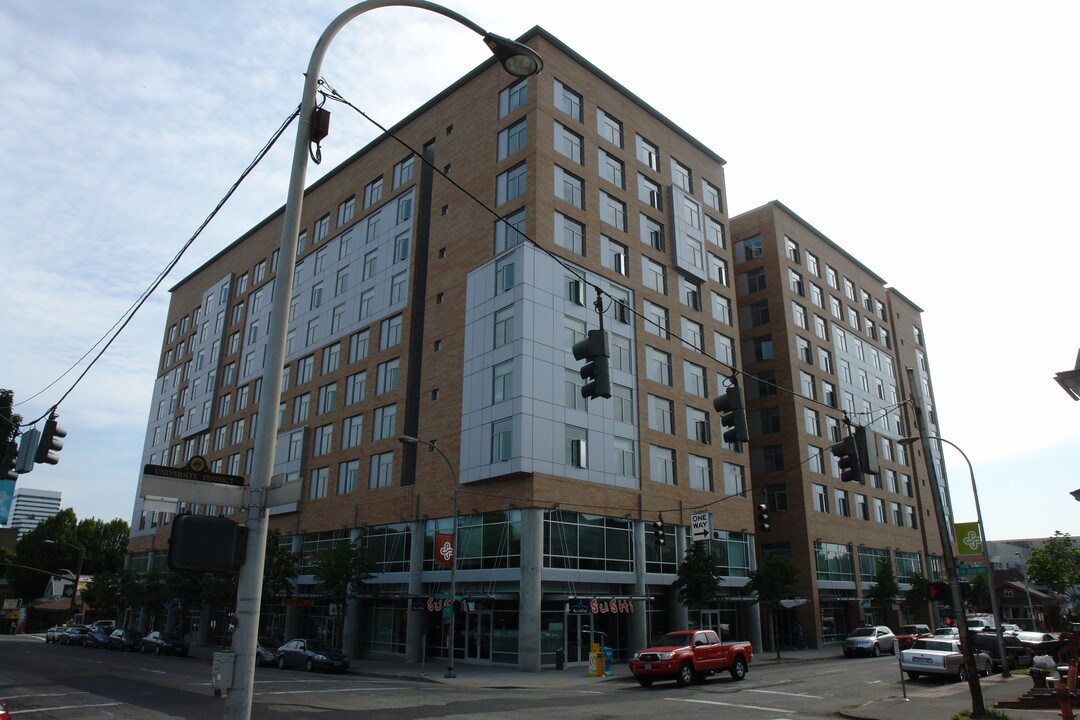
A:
x: 560, y: 659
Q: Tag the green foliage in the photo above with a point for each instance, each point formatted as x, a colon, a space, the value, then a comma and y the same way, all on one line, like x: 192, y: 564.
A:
x: 699, y: 581
x: 774, y: 579
x: 885, y: 586
x: 978, y: 597
x: 9, y: 421
x: 916, y: 598
x: 279, y: 568
x: 340, y: 570
x: 1055, y: 565
x: 987, y: 715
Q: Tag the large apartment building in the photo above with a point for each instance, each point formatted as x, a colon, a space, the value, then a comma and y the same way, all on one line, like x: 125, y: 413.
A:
x: 826, y: 345
x: 416, y: 312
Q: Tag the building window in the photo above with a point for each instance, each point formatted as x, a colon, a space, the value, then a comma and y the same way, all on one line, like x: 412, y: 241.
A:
x: 572, y: 385
x: 373, y: 192
x: 403, y: 171
x: 612, y: 211
x: 724, y: 349
x: 621, y: 358
x: 323, y: 440
x: 319, y: 479
x: 662, y: 465
x: 346, y: 210
x: 510, y: 184
x: 711, y: 195
x: 385, y: 420
x: 658, y: 365
x: 573, y: 332
x: 504, y: 274
x: 348, y: 474
x: 513, y: 97
x: 653, y: 275
x: 721, y: 308
x: 821, y: 498
x: 577, y: 447
x: 322, y: 228
x: 355, y: 385
x: 570, y: 188
x: 569, y: 143
x: 390, y: 332
x: 648, y: 154
x: 682, y: 177
x: 568, y: 101
x: 504, y: 326
x: 611, y: 169
x: 513, y: 138
x: 735, y: 480
x: 510, y: 230
x: 656, y: 319
x: 502, y: 382
x: 622, y: 403
x: 382, y: 470
x: 387, y: 376
x: 569, y: 234
x: 754, y: 280
x: 327, y: 397
x: 661, y: 415
x: 698, y: 426
x: 609, y: 128
x: 625, y: 462
x: 502, y: 437
x: 352, y: 431
x: 701, y: 473
x: 652, y: 233
x: 694, y: 379
x: 649, y: 192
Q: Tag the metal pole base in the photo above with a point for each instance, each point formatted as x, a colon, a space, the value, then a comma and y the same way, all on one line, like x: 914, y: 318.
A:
x: 449, y: 673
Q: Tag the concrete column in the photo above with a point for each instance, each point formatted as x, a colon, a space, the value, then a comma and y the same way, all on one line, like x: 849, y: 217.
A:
x: 416, y: 624
x: 351, y: 630
x: 679, y: 613
x: 292, y: 623
x: 203, y: 637
x: 752, y: 615
x: 639, y: 625
x: 532, y: 563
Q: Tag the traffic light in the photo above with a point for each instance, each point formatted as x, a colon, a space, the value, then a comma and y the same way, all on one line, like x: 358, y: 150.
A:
x: 867, y: 444
x: 857, y: 455
x: 7, y: 462
x: 199, y: 542
x: 596, y: 371
x: 848, y: 459
x: 732, y: 415
x: 659, y: 534
x: 763, y: 518
x: 52, y: 439
x: 938, y: 591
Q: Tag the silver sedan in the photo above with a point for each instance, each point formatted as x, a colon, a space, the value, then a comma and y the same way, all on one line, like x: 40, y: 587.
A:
x: 940, y: 656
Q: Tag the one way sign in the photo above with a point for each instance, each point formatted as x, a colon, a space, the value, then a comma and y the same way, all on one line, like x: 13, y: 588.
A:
x: 701, y: 526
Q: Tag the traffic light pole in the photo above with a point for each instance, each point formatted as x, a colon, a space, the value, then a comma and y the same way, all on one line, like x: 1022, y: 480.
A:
x: 978, y: 706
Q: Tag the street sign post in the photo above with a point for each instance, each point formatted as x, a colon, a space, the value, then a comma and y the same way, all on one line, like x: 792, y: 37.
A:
x: 966, y: 569
x: 701, y: 526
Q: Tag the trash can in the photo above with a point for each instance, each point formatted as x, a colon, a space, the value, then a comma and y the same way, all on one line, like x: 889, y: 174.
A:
x: 596, y: 664
x: 560, y: 659
x: 609, y: 661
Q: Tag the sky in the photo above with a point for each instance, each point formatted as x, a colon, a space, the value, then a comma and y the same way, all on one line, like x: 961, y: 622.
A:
x: 933, y: 141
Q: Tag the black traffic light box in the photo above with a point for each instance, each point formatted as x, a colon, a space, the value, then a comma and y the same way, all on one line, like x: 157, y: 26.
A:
x: 938, y: 591
x: 213, y: 544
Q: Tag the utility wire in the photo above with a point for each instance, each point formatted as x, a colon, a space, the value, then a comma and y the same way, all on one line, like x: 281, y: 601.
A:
x: 126, y: 318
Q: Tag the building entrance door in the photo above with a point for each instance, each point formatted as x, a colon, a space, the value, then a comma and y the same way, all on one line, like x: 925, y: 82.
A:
x: 478, y: 636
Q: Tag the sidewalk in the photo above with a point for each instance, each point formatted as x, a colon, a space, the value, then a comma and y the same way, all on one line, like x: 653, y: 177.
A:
x: 935, y: 700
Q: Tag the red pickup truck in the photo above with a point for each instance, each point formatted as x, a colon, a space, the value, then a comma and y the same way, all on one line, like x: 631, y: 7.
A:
x: 689, y: 655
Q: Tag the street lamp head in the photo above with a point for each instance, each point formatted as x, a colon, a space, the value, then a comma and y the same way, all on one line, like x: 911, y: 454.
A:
x: 908, y: 440
x: 408, y: 440
x: 517, y: 59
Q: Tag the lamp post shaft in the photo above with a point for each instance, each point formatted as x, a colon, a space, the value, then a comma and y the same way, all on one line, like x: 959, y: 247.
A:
x: 1027, y: 590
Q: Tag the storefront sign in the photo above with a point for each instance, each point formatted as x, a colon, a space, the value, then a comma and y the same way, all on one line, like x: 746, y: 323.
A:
x: 612, y: 605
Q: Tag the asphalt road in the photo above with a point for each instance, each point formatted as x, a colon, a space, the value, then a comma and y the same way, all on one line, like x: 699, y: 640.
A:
x: 74, y: 683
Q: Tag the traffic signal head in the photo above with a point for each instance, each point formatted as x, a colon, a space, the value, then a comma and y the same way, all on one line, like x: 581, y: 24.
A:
x: 763, y: 518
x: 596, y: 371
x: 732, y: 415
x: 659, y: 534
x: 937, y: 591
x: 847, y: 455
x: 51, y: 442
x: 866, y: 443
x: 215, y: 544
x: 7, y: 461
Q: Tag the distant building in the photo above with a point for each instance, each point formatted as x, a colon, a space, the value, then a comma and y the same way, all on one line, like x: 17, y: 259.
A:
x: 30, y: 506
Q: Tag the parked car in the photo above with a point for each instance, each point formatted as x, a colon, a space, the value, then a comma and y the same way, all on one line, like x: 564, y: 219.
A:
x: 689, y: 655
x: 161, y: 641
x: 75, y: 635
x: 906, y: 635
x: 266, y: 651
x: 52, y: 635
x: 1017, y: 653
x: 947, y: 632
x: 1042, y: 643
x: 311, y: 655
x: 98, y: 637
x: 1010, y: 628
x: 123, y: 639
x: 980, y: 623
x: 940, y: 656
x: 870, y: 640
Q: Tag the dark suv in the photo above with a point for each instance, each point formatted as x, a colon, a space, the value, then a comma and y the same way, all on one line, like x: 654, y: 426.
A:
x: 1018, y: 654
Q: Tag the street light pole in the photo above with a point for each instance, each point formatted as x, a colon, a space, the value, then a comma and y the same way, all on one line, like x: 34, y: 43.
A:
x: 409, y: 440
x: 518, y: 60
x: 1027, y: 589
x: 78, y: 574
x: 998, y: 620
x: 978, y: 705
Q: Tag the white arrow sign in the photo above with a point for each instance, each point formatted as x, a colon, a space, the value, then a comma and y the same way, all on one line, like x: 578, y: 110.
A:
x: 701, y: 526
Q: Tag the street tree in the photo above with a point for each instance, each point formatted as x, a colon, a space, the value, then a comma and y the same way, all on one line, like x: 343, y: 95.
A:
x: 885, y: 588
x: 340, y: 572
x: 1056, y: 565
x: 700, y: 581
x: 916, y: 598
x: 9, y: 421
x: 773, y: 581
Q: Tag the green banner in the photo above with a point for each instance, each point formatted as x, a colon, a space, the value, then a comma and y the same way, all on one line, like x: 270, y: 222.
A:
x: 968, y: 539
